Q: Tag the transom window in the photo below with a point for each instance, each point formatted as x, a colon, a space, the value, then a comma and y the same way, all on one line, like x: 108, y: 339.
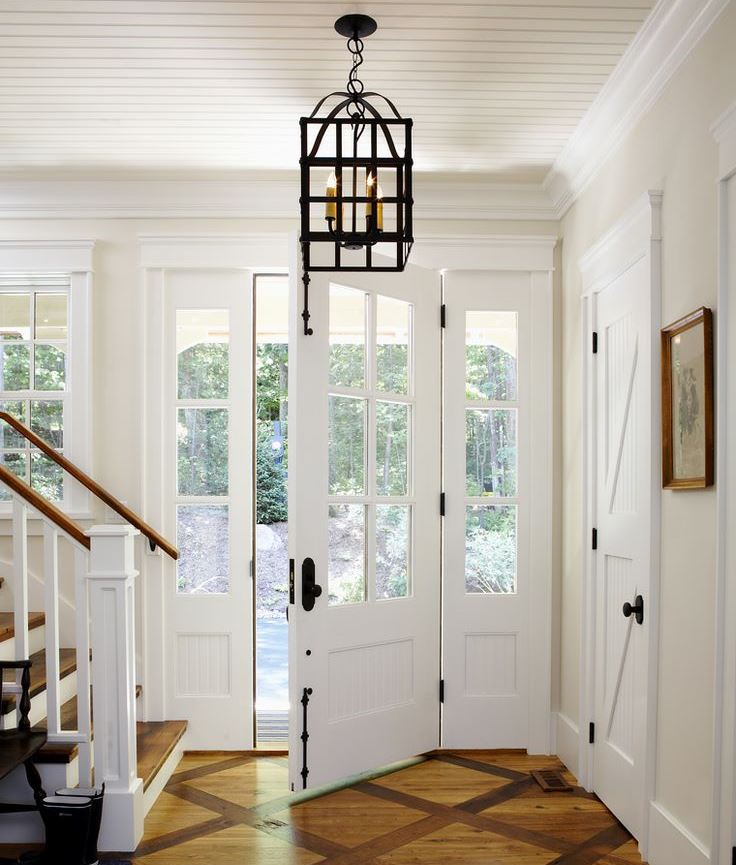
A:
x: 34, y: 379
x: 370, y: 486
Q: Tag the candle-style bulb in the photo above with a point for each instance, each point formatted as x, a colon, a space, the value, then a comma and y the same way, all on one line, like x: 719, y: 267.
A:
x: 331, y: 192
x: 379, y: 208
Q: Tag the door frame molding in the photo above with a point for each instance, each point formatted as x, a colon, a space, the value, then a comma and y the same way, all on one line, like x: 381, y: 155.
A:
x: 636, y: 236
x: 724, y: 734
x: 157, y: 254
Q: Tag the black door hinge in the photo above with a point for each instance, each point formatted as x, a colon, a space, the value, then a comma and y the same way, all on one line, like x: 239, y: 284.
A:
x: 442, y: 690
x: 591, y: 733
x: 443, y: 315
x: 442, y: 504
x: 594, y: 540
x: 595, y: 342
x: 252, y: 568
x: 291, y: 581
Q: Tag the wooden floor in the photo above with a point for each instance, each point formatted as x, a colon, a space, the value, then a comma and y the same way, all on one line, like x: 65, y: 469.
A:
x: 467, y: 808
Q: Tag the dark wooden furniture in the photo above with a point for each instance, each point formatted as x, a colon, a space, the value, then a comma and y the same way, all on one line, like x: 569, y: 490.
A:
x: 19, y: 745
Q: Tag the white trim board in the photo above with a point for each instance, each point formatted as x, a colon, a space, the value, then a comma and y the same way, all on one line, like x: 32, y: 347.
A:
x: 671, y: 32
x: 670, y: 843
x: 724, y: 733
x: 635, y: 237
x: 275, y: 196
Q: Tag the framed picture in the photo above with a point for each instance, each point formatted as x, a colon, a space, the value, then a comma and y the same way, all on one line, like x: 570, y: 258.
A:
x: 687, y: 402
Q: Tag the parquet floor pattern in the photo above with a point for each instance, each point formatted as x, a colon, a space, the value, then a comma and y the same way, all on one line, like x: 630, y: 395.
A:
x: 461, y: 808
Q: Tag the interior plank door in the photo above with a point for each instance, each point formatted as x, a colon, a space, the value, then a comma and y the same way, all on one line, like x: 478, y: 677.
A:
x: 624, y: 525
x: 364, y: 485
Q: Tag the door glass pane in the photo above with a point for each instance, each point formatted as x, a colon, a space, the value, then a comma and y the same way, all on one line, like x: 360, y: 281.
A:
x: 392, y: 436
x: 346, y: 554
x: 203, y: 353
x: 47, y: 477
x: 490, y: 549
x: 15, y: 369
x: 393, y: 534
x: 51, y: 316
x: 392, y: 349
x: 15, y: 316
x: 47, y: 420
x: 50, y: 367
x: 202, y: 458
x: 490, y: 452
x: 490, y: 355
x: 347, y: 336
x: 203, y: 538
x: 347, y: 434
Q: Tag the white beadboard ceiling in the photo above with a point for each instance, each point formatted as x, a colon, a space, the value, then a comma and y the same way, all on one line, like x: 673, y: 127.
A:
x: 494, y: 88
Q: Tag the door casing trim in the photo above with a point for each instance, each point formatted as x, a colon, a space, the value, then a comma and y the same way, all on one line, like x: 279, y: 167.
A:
x: 635, y: 237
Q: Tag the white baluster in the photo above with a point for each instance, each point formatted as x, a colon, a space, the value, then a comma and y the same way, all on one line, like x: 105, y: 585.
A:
x: 51, y: 591
x: 112, y: 625
x: 20, y: 583
x: 84, y: 714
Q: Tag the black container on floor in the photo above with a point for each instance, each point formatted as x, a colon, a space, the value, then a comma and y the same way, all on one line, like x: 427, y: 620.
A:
x: 66, y: 820
x: 95, y: 795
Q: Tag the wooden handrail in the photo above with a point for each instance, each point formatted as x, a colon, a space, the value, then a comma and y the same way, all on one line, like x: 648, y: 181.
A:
x: 37, y: 501
x: 86, y: 481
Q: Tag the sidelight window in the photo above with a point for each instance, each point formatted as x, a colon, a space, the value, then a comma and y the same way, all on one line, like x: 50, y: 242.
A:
x: 491, y: 448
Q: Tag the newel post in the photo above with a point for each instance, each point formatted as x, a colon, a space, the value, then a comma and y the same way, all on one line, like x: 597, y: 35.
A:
x: 111, y: 582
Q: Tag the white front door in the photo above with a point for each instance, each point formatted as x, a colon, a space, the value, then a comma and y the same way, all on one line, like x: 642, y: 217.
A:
x: 364, y: 498
x: 624, y: 524
x: 497, y: 397
x: 206, y: 473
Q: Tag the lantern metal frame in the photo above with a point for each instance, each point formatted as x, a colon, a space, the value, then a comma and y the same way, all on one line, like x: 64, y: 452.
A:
x: 357, y: 110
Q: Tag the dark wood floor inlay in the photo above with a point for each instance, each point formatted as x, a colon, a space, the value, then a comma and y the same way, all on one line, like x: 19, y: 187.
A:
x: 454, y: 808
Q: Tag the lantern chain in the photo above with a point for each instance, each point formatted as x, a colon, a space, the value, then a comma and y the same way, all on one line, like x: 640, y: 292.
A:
x: 355, y: 86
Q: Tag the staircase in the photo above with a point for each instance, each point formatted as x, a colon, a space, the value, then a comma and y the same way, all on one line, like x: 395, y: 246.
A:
x: 158, y: 743
x: 83, y: 649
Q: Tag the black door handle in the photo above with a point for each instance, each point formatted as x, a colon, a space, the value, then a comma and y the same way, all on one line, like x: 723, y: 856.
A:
x: 637, y: 609
x: 310, y: 590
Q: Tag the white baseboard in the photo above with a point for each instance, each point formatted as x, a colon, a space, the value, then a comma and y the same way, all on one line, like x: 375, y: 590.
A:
x: 568, y: 742
x: 671, y: 843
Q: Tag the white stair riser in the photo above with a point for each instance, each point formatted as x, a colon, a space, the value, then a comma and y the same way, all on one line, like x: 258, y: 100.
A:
x: 67, y: 689
x: 36, y: 639
x: 26, y: 828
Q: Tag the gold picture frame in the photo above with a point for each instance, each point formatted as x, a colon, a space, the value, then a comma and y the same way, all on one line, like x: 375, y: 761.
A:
x: 687, y: 402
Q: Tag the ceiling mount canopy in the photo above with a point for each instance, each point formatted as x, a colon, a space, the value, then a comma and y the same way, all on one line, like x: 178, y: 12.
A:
x: 356, y: 175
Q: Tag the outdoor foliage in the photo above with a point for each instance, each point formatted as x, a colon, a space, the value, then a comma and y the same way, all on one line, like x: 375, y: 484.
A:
x: 271, y: 494
x: 46, y: 416
x: 490, y: 549
x: 490, y: 373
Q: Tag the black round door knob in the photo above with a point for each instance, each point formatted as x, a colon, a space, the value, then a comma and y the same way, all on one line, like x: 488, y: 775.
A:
x: 636, y: 609
x: 316, y: 590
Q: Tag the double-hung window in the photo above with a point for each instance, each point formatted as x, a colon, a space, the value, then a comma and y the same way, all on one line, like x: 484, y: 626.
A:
x: 37, y: 380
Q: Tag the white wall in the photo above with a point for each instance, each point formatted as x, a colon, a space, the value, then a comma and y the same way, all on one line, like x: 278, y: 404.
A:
x: 670, y: 149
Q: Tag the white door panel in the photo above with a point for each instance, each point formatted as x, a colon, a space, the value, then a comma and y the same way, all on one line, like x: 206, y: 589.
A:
x: 623, y: 517
x: 487, y: 572
x: 207, y: 386
x: 364, y: 506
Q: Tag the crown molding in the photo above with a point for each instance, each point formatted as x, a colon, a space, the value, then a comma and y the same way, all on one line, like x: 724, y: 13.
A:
x: 669, y: 34
x: 270, y: 197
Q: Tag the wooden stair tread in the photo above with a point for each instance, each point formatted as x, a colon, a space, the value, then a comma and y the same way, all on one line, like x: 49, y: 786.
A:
x: 155, y: 741
x: 67, y: 665
x: 7, y: 624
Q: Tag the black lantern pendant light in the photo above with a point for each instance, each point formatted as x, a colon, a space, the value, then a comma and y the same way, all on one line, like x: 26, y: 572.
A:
x: 356, y: 184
